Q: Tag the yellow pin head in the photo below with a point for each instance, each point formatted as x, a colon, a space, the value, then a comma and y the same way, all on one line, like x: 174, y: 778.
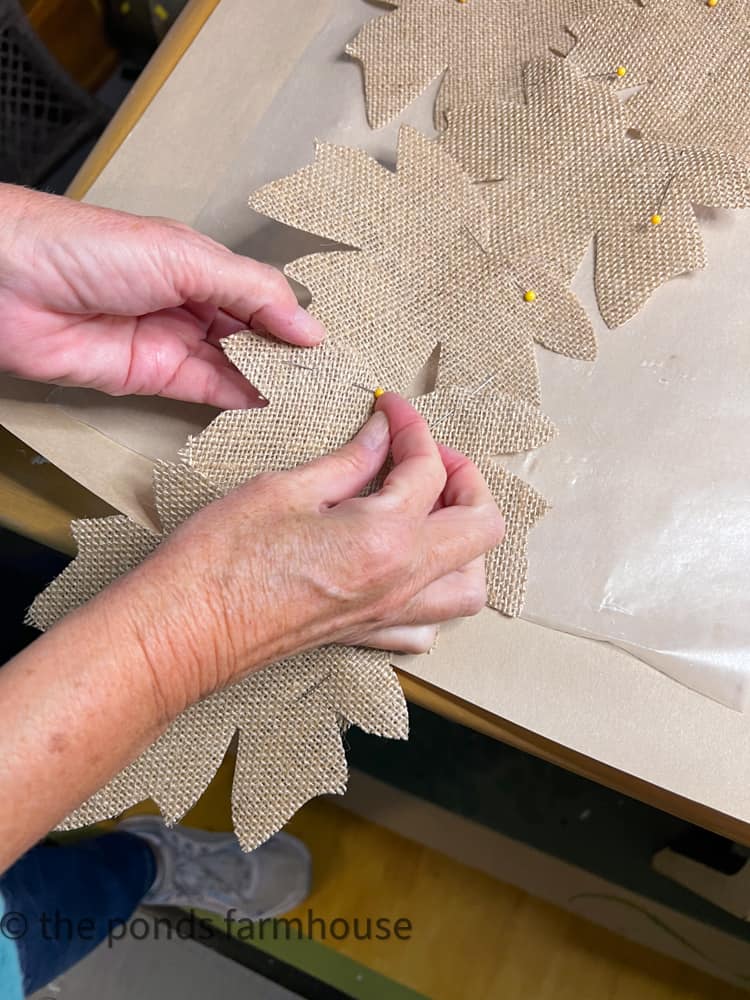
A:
x: 657, y: 219
x: 621, y: 71
x: 712, y: 3
x: 529, y: 295
x: 377, y: 393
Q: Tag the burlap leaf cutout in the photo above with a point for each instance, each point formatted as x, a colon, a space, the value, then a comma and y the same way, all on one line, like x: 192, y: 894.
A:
x: 562, y: 168
x: 480, y: 45
x: 289, y: 716
x: 422, y: 275
x: 691, y: 61
x: 426, y: 273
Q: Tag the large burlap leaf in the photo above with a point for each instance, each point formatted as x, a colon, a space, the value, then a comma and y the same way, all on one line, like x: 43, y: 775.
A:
x: 425, y: 272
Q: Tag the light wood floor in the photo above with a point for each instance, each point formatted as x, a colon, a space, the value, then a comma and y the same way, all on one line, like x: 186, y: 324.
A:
x: 472, y: 935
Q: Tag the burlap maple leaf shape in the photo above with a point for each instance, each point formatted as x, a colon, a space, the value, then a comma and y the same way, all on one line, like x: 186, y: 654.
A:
x: 691, y: 60
x: 562, y: 168
x: 481, y: 45
x: 425, y: 274
x: 290, y: 715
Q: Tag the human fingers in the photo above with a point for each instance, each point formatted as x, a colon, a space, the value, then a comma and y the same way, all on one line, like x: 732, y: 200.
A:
x: 213, y: 381
x: 467, y: 522
x: 459, y: 594
x: 455, y: 536
x: 403, y: 638
x: 215, y: 323
x: 418, y: 474
x: 344, y: 473
x: 257, y: 295
x: 223, y: 326
x: 464, y: 485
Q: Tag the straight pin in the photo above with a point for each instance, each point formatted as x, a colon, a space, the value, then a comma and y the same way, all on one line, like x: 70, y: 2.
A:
x: 658, y: 217
x: 298, y: 364
x: 377, y: 392
x: 618, y: 73
x: 473, y: 393
x: 476, y: 240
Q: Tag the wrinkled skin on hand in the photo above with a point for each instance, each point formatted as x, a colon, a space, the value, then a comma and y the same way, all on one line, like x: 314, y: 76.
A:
x: 130, y: 305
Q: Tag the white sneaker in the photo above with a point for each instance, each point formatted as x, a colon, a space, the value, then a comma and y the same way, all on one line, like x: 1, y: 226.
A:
x: 209, y: 871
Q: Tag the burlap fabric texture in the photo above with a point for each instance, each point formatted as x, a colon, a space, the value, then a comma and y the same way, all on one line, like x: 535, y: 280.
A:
x: 691, y: 61
x: 426, y: 272
x: 562, y: 168
x: 480, y: 45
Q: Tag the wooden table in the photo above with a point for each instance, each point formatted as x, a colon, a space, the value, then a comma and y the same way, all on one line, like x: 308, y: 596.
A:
x: 39, y: 500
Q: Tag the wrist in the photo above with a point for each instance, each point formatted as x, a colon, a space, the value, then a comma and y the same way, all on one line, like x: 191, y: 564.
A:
x: 141, y: 617
x: 177, y: 626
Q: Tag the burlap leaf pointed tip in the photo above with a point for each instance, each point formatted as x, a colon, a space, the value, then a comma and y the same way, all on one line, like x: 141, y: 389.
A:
x: 507, y: 566
x: 107, y: 548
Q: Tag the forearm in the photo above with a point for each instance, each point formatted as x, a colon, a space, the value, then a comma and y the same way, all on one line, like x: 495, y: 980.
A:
x: 75, y: 707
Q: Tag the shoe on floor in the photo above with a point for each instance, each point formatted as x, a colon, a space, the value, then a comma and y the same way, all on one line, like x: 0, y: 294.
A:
x: 209, y: 871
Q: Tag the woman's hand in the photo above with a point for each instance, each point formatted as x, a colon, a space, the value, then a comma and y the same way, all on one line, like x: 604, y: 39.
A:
x: 289, y: 561
x: 298, y: 559
x: 131, y: 305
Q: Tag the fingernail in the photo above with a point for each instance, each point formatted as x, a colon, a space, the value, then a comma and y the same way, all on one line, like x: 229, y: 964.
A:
x: 308, y: 325
x: 374, y: 432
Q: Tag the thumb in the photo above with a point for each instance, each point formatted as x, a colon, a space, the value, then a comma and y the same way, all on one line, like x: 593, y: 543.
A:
x: 343, y: 474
